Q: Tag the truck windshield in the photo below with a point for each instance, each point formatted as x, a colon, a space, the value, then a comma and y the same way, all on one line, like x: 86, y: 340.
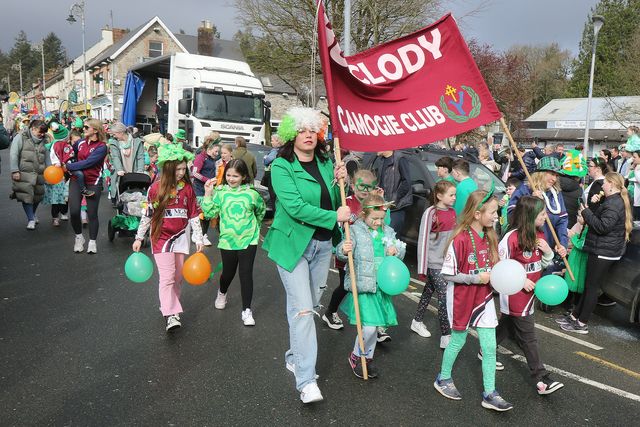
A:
x: 211, y: 105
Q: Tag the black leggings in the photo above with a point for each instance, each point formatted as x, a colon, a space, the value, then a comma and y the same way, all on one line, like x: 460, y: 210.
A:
x: 435, y: 283
x: 75, y: 200
x: 58, y: 209
x: 338, y: 293
x: 230, y: 261
x: 597, y: 269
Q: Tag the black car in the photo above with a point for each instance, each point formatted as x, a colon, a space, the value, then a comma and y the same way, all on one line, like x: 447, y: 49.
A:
x: 623, y: 281
x: 424, y: 176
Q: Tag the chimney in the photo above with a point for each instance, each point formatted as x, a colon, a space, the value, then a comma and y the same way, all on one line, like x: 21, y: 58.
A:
x: 205, y: 39
x: 118, y: 33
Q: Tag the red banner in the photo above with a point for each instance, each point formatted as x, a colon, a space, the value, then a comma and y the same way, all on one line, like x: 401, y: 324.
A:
x: 412, y: 91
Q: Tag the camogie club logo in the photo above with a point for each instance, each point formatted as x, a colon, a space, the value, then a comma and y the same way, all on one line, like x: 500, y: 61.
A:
x: 456, y: 99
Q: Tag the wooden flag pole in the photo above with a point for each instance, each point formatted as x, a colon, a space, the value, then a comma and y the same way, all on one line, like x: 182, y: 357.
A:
x: 526, y: 172
x: 352, y: 270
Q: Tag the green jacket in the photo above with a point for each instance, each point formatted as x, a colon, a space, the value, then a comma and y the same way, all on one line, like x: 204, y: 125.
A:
x: 241, y: 211
x: 298, y: 211
x: 241, y: 153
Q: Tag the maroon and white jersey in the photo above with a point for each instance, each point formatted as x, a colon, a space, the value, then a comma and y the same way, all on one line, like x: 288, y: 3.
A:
x: 520, y: 304
x: 469, y: 305
x: 176, y: 232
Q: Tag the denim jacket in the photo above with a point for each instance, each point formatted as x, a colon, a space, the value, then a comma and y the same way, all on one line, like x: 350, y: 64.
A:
x: 363, y: 257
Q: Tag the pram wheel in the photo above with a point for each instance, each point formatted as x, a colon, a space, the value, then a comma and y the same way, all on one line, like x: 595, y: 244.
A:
x: 111, y: 231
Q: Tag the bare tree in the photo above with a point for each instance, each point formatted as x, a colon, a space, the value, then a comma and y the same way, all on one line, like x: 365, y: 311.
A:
x: 278, y: 35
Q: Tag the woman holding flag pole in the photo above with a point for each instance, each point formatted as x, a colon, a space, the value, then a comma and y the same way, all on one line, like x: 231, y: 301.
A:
x: 300, y: 238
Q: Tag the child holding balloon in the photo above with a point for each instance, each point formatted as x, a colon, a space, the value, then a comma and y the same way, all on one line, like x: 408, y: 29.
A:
x: 172, y: 212
x: 371, y: 240
x: 436, y: 227
x: 471, y: 252
x: 525, y: 243
x: 241, y: 210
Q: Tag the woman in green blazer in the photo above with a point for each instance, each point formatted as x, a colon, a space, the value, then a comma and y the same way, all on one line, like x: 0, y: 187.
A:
x: 300, y: 239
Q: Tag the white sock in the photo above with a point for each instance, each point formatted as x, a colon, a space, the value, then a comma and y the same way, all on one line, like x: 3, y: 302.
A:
x: 92, y: 241
x: 78, y: 236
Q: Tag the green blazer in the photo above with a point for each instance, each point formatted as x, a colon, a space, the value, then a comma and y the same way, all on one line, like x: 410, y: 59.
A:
x: 298, y: 211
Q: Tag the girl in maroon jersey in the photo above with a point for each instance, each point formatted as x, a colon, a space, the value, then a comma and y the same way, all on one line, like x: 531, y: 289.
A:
x: 436, y: 228
x: 525, y: 243
x: 472, y: 251
x: 172, y: 212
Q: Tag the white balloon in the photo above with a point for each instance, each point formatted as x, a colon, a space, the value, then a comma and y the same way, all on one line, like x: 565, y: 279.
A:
x: 508, y: 277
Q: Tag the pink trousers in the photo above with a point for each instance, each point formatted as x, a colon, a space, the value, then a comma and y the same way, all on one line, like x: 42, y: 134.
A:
x: 170, y: 272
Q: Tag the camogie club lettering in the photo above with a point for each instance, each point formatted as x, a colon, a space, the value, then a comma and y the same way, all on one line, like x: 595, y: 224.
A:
x: 458, y: 103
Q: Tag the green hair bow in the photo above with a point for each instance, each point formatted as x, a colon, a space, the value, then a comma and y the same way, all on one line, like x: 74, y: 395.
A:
x: 168, y: 152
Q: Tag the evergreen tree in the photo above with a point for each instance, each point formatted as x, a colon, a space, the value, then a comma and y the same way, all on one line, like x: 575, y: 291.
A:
x: 54, y: 53
x: 612, y: 77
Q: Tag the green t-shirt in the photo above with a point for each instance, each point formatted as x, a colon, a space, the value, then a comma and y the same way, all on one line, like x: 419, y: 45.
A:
x: 464, y: 188
x: 450, y: 179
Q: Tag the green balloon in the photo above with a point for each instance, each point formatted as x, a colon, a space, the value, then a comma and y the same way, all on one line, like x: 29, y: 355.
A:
x: 393, y: 276
x: 138, y: 267
x: 551, y: 289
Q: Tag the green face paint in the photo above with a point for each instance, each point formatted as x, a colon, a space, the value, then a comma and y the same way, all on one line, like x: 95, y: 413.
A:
x: 360, y: 186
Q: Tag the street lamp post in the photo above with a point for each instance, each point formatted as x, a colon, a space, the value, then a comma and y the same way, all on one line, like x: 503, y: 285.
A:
x: 77, y: 10
x: 7, y: 80
x: 18, y: 67
x: 40, y: 48
x: 598, y: 21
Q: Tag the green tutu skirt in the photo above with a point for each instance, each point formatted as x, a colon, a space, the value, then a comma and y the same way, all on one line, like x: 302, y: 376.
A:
x: 375, y: 309
x: 578, y: 262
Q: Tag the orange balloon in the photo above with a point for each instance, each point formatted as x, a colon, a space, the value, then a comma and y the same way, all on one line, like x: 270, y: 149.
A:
x: 53, y: 175
x: 196, y: 269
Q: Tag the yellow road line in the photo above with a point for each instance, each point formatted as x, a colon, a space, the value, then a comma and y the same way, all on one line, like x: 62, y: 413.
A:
x: 609, y: 364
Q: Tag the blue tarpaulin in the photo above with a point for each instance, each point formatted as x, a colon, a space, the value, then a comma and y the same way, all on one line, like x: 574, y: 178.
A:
x: 132, y: 90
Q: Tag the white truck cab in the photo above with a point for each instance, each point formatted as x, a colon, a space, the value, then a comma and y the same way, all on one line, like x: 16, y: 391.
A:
x: 206, y: 94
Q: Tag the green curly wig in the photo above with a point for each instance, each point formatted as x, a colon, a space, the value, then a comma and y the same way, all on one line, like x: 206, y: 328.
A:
x: 298, y: 118
x: 168, y: 152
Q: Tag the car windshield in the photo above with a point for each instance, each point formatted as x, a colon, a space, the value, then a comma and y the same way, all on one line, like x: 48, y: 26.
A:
x: 212, y: 105
x: 480, y: 174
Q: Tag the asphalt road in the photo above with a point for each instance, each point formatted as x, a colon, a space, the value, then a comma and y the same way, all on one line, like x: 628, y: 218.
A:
x: 81, y: 345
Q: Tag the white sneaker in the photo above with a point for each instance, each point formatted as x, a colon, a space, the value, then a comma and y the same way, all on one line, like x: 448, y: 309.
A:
x: 311, y: 393
x: 247, y: 318
x: 206, y: 241
x: 64, y: 217
x: 444, y: 341
x: 173, y: 322
x: 31, y: 225
x: 420, y: 329
x: 91, y: 247
x: 221, y: 301
x: 78, y: 246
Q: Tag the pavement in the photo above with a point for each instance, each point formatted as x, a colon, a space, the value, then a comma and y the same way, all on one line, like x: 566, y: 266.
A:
x: 82, y: 345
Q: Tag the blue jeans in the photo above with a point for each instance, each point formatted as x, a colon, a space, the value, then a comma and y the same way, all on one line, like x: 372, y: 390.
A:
x: 30, y: 210
x: 304, y: 286
x: 397, y: 220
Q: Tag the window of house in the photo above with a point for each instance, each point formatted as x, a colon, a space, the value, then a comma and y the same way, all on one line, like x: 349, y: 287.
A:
x: 155, y: 49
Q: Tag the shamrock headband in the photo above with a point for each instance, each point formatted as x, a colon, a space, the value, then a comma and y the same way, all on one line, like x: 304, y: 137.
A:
x: 379, y: 206
x: 296, y: 120
x: 488, y: 196
x: 169, y: 152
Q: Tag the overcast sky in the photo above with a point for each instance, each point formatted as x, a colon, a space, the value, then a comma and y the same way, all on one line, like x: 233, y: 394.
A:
x: 501, y: 23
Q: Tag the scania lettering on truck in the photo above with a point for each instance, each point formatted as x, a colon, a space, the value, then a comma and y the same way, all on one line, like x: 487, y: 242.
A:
x: 206, y: 94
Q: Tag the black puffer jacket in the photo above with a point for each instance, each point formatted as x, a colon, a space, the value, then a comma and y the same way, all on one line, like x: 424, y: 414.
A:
x: 571, y: 193
x: 606, y: 235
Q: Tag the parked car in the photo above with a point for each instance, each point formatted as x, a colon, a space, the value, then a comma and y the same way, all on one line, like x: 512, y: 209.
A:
x: 623, y: 281
x: 424, y: 176
x: 259, y: 151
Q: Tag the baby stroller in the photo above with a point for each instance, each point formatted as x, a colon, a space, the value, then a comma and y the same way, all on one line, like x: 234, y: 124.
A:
x: 130, y: 204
